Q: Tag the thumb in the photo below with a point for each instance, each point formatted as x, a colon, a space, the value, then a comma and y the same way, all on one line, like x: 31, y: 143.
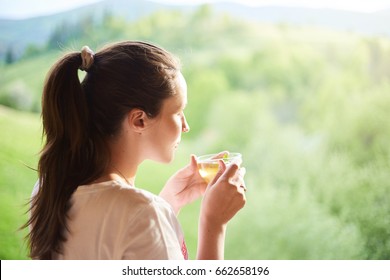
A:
x: 193, y: 162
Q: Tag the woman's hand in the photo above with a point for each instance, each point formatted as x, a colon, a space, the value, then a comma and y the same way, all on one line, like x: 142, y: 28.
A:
x: 184, y: 187
x: 224, y: 197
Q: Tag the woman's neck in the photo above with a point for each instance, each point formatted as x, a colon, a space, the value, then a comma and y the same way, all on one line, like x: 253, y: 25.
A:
x: 116, y: 172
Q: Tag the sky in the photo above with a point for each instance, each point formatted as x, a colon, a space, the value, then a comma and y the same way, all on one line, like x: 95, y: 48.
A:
x: 18, y: 9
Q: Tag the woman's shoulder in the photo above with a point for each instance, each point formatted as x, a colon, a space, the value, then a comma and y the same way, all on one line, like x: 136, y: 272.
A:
x: 120, y: 193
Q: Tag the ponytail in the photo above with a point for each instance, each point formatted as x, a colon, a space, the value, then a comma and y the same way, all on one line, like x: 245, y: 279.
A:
x: 68, y: 158
x: 64, y: 104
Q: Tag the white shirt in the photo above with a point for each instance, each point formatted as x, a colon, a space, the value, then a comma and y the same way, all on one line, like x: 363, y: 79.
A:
x: 111, y: 220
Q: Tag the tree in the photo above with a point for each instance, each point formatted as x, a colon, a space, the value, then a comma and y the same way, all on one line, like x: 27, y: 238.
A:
x: 9, y: 56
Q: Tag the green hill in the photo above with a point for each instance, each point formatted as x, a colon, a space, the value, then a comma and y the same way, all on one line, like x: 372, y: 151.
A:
x: 19, y: 34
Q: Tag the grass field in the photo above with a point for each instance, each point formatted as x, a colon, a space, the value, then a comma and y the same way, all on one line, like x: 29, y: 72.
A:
x: 19, y: 142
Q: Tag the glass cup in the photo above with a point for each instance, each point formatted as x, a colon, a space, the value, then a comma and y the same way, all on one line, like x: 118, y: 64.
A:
x: 208, y: 164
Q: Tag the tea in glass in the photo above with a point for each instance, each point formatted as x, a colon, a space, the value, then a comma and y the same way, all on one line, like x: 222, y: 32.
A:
x: 208, y: 164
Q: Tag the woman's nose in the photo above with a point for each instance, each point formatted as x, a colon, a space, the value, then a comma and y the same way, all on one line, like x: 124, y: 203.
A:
x: 185, y: 126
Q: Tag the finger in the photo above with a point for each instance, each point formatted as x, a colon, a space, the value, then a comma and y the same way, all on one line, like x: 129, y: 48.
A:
x: 243, y: 197
x: 230, y: 171
x: 238, y: 178
x: 193, y: 161
x: 242, y: 187
x: 221, y: 170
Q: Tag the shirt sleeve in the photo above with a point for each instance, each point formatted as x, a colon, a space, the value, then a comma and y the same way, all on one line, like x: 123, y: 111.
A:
x: 35, y: 189
x: 33, y: 194
x: 152, y: 234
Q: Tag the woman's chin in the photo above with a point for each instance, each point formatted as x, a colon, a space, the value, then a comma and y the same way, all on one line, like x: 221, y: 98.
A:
x: 166, y: 158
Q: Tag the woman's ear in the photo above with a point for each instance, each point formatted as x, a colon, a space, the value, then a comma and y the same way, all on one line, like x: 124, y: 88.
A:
x: 137, y: 120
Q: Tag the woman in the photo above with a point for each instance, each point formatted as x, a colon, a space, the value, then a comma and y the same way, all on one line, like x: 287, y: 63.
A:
x: 128, y: 108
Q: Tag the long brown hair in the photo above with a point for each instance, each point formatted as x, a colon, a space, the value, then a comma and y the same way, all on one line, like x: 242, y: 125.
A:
x: 78, y: 118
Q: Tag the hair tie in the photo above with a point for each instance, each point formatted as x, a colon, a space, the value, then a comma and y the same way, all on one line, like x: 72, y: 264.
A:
x: 87, y: 57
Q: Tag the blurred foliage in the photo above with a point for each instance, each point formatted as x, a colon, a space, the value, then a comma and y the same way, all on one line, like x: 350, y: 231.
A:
x: 307, y: 107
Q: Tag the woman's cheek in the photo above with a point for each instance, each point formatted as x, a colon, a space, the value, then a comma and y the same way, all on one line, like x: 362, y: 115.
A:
x: 178, y: 122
